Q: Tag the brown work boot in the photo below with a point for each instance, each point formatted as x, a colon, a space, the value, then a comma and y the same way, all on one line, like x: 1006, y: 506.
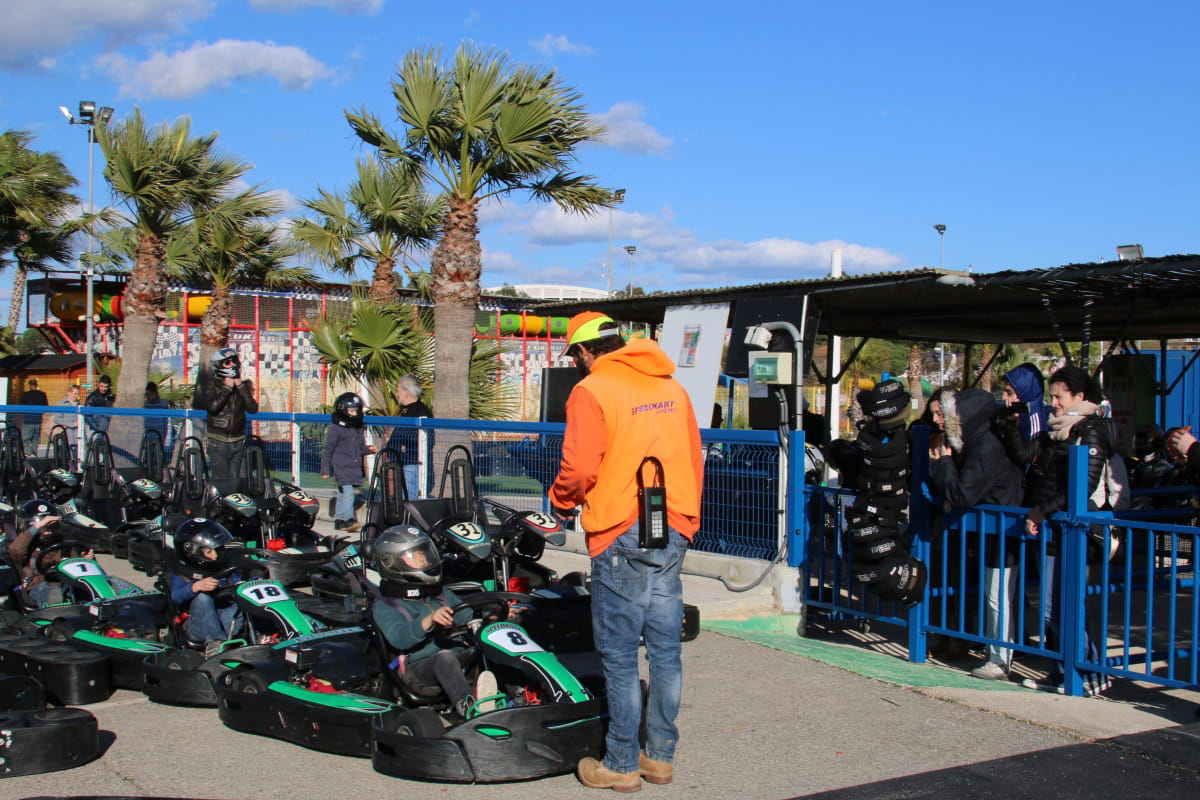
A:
x: 654, y: 771
x: 351, y: 526
x: 595, y: 775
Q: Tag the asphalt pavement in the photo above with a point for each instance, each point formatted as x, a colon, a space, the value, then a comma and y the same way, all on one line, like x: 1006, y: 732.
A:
x: 766, y: 714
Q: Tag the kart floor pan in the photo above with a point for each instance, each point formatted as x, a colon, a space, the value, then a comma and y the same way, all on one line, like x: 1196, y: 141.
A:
x: 344, y: 729
x: 507, y: 745
x: 70, y: 676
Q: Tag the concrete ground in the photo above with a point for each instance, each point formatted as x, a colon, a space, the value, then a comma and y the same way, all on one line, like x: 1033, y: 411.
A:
x: 766, y: 714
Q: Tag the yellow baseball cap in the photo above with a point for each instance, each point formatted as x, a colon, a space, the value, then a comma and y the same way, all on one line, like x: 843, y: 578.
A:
x: 585, y: 326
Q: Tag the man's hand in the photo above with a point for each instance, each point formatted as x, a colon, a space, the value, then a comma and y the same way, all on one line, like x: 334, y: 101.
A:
x: 564, y: 515
x: 1033, y: 521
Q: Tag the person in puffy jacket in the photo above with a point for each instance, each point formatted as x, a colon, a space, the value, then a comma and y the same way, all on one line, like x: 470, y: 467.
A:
x: 970, y: 468
x: 345, y: 448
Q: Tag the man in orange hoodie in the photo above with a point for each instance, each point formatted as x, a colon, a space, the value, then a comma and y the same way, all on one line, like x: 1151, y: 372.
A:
x: 628, y: 407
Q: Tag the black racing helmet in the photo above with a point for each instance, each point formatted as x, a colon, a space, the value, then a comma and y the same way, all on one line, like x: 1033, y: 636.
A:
x: 33, y: 510
x: 198, y: 534
x: 226, y: 363
x: 406, y: 554
x: 341, y: 407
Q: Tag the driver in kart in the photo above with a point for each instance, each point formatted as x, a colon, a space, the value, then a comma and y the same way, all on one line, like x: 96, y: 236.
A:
x: 201, y: 544
x: 415, y: 609
x: 38, y: 548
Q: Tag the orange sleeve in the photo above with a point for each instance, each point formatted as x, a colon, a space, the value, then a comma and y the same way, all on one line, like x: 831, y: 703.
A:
x: 584, y: 444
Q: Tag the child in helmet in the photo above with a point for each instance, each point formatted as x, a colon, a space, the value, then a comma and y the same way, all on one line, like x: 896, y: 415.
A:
x: 200, y: 545
x: 35, y: 550
x: 415, y: 607
x: 345, y: 447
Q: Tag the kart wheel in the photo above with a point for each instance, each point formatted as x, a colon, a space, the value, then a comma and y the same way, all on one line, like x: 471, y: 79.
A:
x: 181, y: 660
x: 248, y: 681
x: 421, y: 722
x: 61, y: 630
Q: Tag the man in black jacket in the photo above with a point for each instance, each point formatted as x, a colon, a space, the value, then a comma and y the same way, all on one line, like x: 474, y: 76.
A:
x: 31, y: 424
x: 100, y: 397
x: 227, y: 399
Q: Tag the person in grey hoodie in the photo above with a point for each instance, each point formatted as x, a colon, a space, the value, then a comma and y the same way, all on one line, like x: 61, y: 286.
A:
x: 345, y: 447
x: 970, y: 468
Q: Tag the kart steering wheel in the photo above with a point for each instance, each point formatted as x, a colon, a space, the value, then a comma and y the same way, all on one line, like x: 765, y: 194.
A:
x: 487, y: 601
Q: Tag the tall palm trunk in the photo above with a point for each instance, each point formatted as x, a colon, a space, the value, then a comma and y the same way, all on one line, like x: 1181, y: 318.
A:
x: 214, y: 325
x: 456, y: 265
x: 384, y: 286
x: 145, y: 305
x: 18, y: 295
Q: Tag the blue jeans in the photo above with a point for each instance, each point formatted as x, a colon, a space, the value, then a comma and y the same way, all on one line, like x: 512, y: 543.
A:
x: 208, y: 623
x: 343, y: 508
x: 412, y: 480
x: 638, y: 595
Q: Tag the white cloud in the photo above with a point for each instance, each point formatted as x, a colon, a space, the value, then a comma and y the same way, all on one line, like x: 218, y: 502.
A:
x: 629, y: 133
x: 550, y: 44
x: 190, y: 72
x: 35, y: 32
x: 346, y: 7
x: 683, y: 260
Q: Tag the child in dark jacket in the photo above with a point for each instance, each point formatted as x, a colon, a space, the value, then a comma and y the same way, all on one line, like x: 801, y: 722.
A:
x: 345, y: 447
x: 414, y: 608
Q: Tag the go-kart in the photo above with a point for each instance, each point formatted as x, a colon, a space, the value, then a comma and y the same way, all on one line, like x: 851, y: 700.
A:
x: 311, y: 693
x: 183, y: 676
x: 272, y: 520
x: 37, y: 739
x: 125, y: 627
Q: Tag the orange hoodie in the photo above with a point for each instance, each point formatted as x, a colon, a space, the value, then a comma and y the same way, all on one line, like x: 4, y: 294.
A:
x: 627, y: 408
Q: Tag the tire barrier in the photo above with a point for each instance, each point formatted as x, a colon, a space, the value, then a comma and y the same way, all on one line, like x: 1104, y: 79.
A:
x: 46, y: 740
x: 881, y: 560
x: 69, y: 676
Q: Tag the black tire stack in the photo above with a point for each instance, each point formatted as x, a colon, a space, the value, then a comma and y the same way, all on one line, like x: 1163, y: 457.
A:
x: 877, y: 522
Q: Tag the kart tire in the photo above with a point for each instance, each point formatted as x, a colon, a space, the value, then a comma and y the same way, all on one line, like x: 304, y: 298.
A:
x: 182, y: 660
x: 247, y: 681
x: 424, y: 723
x: 61, y: 631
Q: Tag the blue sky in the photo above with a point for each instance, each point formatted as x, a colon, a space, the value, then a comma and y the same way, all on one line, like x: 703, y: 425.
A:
x: 751, y: 138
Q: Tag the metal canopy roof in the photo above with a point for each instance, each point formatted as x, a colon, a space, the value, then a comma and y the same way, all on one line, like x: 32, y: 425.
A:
x: 1153, y: 298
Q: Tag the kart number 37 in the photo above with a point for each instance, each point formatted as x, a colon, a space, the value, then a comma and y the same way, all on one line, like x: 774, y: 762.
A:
x: 513, y: 640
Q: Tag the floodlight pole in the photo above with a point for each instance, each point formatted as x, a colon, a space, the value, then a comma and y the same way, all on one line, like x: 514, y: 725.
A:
x: 618, y: 198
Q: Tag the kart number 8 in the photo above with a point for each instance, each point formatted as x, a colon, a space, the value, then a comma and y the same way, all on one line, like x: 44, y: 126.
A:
x: 512, y: 641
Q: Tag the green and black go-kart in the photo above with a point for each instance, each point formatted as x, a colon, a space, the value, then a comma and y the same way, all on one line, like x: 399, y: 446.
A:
x: 124, y: 627
x: 337, y: 691
x: 183, y: 676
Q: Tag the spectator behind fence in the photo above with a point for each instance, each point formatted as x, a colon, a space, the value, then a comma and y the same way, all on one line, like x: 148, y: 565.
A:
x: 1023, y: 420
x: 1075, y: 397
x: 68, y: 417
x: 100, y: 397
x: 970, y: 468
x: 405, y: 441
x: 31, y: 424
x: 226, y: 398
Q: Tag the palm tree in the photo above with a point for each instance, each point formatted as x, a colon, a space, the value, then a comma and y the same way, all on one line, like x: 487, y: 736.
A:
x: 382, y: 217
x: 33, y: 201
x: 245, y: 249
x: 164, y: 178
x: 479, y: 128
